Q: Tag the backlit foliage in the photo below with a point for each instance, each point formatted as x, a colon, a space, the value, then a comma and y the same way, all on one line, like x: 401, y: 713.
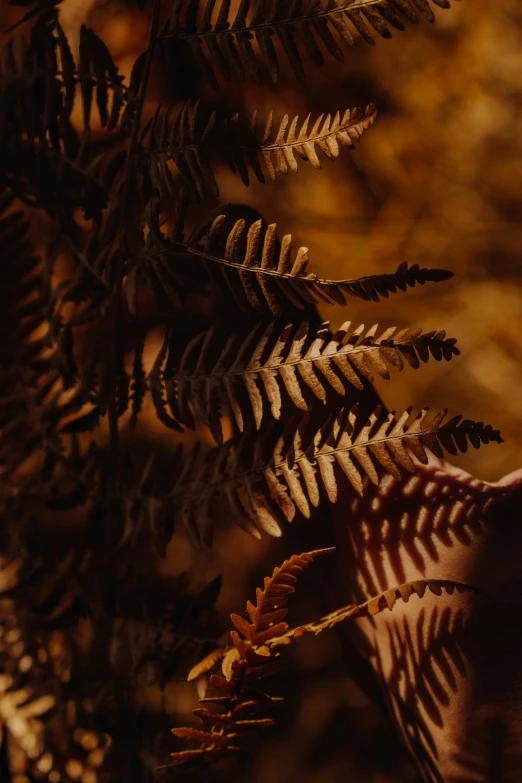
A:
x: 244, y: 355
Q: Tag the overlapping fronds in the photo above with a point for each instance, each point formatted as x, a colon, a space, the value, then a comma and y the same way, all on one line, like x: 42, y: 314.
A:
x: 187, y: 140
x: 41, y: 716
x: 265, y: 483
x: 135, y: 504
x: 257, y: 642
x: 259, y: 271
x: 243, y: 706
x: 74, y: 145
x: 43, y: 9
x: 163, y: 629
x: 221, y: 39
x: 274, y: 365
x: 279, y: 146
x: 45, y: 161
x: 26, y: 377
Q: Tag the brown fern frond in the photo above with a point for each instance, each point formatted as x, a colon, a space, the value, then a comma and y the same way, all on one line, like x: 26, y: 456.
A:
x: 267, y: 614
x: 45, y: 161
x: 254, y: 654
x: 377, y: 604
x: 243, y: 706
x: 261, y: 491
x: 187, y: 141
x: 278, y: 150
x: 27, y: 364
x: 96, y: 70
x: 303, y: 362
x: 37, y: 707
x: 263, y: 274
x: 223, y: 43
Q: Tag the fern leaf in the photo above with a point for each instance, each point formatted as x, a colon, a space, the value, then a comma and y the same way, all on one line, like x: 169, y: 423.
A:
x: 377, y: 604
x: 266, y: 616
x: 263, y: 274
x: 278, y: 150
x: 299, y: 364
x: 186, y: 141
x: 97, y: 70
x: 271, y: 489
x: 33, y: 365
x: 255, y: 652
x: 243, y: 706
x: 45, y: 161
x: 307, y: 29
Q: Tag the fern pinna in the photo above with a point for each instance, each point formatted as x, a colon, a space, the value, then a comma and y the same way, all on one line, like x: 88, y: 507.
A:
x: 288, y: 402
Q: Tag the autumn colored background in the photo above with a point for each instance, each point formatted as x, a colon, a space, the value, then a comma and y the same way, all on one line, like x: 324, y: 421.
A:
x: 435, y: 182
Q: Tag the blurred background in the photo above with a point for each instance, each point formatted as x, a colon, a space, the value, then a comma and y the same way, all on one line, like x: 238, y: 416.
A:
x: 435, y: 182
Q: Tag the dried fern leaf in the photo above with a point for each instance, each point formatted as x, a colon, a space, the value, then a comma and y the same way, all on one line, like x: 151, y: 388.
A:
x: 377, y: 604
x: 181, y: 143
x: 280, y: 148
x: 221, y: 39
x: 264, y: 275
x: 266, y: 616
x: 37, y: 708
x: 96, y: 70
x: 35, y: 361
x: 289, y: 479
x: 254, y: 655
x: 242, y: 704
x: 299, y: 364
x: 46, y: 162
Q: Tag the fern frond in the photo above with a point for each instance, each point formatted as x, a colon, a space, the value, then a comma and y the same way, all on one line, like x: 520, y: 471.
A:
x: 96, y: 70
x: 222, y: 42
x: 27, y: 363
x: 377, y: 604
x: 270, y: 489
x: 186, y: 141
x: 243, y: 706
x: 304, y: 362
x: 36, y: 669
x: 45, y: 161
x: 278, y: 149
x: 262, y: 273
x: 255, y: 652
x: 267, y: 614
